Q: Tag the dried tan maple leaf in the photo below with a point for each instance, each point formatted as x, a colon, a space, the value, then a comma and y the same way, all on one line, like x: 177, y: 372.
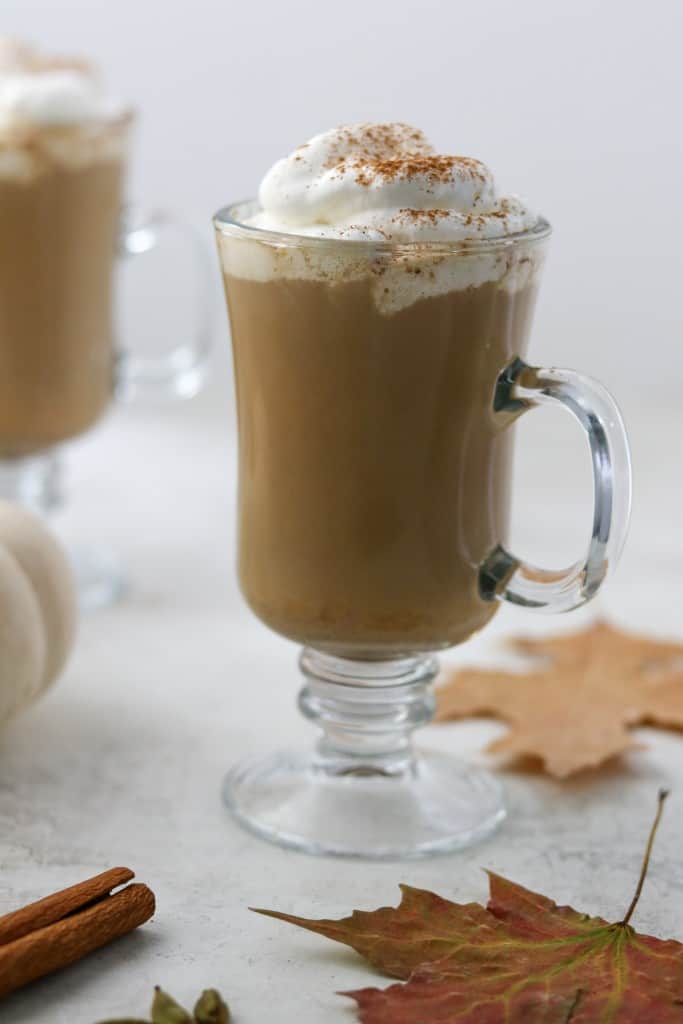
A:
x: 576, y: 710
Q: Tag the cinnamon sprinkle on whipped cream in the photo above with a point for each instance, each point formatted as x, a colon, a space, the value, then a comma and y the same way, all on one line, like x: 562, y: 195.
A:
x: 385, y: 182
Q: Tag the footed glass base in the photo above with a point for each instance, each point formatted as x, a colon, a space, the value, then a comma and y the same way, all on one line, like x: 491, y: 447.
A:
x: 100, y: 577
x: 363, y: 791
x: 435, y: 805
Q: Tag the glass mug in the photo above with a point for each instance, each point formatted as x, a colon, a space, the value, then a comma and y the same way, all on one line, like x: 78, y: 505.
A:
x: 377, y: 385
x: 60, y: 232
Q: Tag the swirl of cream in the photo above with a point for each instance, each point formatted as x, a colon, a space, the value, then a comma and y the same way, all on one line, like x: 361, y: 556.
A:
x: 385, y: 182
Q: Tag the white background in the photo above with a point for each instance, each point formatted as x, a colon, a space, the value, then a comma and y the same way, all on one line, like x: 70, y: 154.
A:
x: 576, y: 104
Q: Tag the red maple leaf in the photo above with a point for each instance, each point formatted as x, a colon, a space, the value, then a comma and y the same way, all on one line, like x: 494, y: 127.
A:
x: 519, y: 960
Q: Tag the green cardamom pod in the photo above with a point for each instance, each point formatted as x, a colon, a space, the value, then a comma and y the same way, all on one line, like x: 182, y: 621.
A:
x: 211, y: 1008
x: 165, y: 1010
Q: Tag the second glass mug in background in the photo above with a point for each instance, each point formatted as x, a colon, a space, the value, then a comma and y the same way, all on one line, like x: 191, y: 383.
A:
x: 61, y: 230
x: 376, y: 388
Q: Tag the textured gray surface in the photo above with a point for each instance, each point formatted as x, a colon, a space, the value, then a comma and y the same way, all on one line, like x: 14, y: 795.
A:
x: 122, y: 763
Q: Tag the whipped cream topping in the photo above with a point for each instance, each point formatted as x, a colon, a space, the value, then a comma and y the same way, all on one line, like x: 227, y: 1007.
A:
x: 52, y: 98
x: 385, y: 182
x: 41, y: 92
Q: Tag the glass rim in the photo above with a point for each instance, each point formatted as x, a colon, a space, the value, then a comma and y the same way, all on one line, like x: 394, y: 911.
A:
x: 228, y: 221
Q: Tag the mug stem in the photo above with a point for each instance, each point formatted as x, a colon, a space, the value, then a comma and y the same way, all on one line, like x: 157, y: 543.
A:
x: 33, y: 480
x: 36, y: 481
x: 363, y: 791
x: 367, y: 710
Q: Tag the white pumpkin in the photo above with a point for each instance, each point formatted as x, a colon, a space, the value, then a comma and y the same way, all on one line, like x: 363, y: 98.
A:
x: 37, y: 608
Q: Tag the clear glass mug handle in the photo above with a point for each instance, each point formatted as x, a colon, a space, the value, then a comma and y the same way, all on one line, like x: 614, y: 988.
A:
x: 179, y: 371
x: 504, y: 577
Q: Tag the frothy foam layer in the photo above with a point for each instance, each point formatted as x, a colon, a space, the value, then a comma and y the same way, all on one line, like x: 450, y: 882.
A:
x: 385, y: 182
x: 396, y: 280
x: 51, y: 110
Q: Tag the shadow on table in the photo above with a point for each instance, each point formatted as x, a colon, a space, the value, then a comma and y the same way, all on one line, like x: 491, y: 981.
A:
x: 56, y: 998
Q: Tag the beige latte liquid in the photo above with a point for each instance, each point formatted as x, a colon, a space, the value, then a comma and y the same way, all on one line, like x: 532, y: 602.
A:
x: 374, y: 474
x: 60, y: 199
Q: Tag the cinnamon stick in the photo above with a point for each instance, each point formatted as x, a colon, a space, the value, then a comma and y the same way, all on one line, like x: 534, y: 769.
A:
x: 53, y: 908
x: 63, y: 928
